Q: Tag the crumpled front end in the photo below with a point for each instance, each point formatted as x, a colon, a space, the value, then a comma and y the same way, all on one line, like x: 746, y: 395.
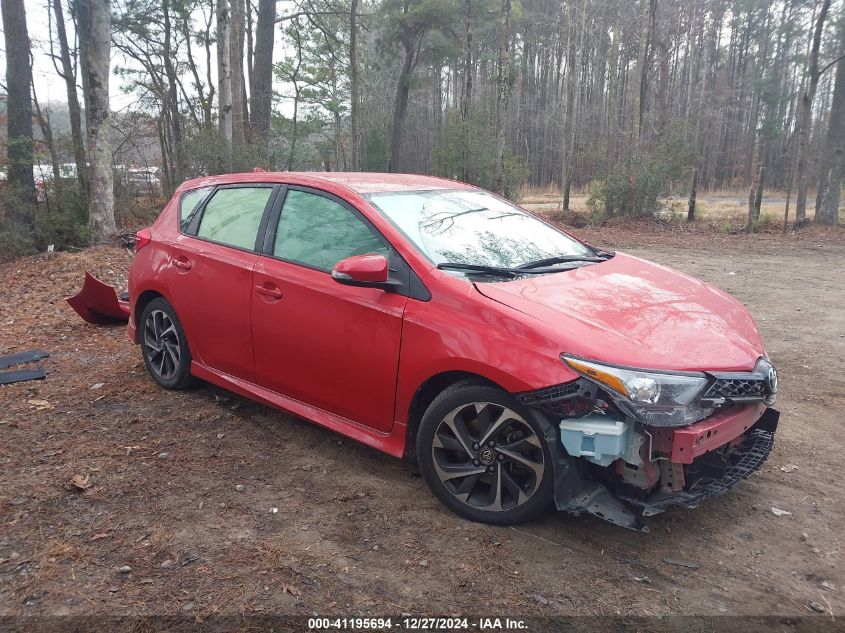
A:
x: 622, y: 469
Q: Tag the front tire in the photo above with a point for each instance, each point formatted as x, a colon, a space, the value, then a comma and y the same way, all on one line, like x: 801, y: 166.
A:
x: 484, y: 456
x: 164, y: 346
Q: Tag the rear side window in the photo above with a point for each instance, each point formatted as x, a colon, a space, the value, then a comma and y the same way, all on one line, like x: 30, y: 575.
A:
x: 319, y: 232
x: 232, y: 216
x: 190, y: 203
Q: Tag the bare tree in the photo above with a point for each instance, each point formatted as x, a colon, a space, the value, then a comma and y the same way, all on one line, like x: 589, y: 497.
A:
x: 67, y: 72
x: 94, y: 18
x: 806, y: 117
x: 224, y: 74
x: 236, y: 68
x: 832, y: 163
x: 503, y: 89
x: 19, y: 108
x: 261, y: 86
x: 354, y: 86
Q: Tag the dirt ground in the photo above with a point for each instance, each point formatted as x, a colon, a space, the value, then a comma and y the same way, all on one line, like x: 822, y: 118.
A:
x: 325, y: 525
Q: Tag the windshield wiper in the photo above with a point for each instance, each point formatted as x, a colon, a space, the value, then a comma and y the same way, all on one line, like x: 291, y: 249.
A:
x: 501, y: 271
x: 478, y: 268
x: 562, y: 259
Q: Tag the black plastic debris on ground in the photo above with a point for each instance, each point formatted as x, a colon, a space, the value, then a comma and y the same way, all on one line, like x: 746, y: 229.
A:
x: 21, y: 375
x: 22, y: 357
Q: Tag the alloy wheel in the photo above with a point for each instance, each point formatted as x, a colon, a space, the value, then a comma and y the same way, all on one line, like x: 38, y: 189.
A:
x: 488, y: 457
x: 161, y: 344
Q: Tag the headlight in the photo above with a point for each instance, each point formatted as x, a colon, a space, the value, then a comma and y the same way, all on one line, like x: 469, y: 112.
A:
x: 655, y: 398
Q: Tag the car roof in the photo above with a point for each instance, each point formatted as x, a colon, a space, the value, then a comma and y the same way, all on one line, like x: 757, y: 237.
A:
x: 359, y: 182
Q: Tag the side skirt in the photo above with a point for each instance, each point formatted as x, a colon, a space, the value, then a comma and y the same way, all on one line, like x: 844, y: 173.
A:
x: 392, y: 443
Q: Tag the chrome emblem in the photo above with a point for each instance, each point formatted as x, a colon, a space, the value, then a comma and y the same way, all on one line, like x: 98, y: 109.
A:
x: 487, y: 456
x: 772, y: 380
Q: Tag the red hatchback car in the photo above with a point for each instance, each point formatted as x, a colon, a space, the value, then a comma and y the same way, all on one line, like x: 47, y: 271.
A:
x: 428, y: 318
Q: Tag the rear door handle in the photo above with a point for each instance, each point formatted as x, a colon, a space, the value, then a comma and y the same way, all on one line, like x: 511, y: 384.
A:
x: 269, y: 290
x: 181, y: 262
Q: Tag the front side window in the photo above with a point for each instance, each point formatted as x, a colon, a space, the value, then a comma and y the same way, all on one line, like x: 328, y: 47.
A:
x: 190, y: 203
x: 232, y: 216
x: 318, y: 232
x: 474, y: 227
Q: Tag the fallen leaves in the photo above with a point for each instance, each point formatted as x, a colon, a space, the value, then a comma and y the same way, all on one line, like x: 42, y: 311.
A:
x: 291, y: 590
x: 80, y: 482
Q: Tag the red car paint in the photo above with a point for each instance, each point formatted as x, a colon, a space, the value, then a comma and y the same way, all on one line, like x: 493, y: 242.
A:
x: 98, y: 303
x: 352, y: 358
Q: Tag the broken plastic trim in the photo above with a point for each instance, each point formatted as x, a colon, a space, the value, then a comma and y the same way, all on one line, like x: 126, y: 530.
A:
x: 98, y: 303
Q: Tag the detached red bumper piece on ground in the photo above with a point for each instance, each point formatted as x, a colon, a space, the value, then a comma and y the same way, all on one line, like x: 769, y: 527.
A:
x: 98, y: 303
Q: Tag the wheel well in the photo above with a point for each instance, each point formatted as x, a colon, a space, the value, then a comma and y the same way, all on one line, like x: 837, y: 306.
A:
x: 143, y: 299
x: 424, y: 396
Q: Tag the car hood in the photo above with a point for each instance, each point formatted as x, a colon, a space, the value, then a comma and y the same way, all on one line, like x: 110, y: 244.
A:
x: 629, y: 311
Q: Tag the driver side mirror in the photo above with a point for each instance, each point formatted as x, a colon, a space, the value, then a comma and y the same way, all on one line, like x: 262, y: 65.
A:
x: 368, y: 271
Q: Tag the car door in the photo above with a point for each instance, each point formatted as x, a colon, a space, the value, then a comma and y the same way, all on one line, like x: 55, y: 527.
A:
x: 213, y: 258
x: 332, y: 346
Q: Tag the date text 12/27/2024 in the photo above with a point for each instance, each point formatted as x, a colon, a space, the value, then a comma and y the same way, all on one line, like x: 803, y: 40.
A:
x: 416, y: 624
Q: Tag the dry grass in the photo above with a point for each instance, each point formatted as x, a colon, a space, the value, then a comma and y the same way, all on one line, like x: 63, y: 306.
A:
x: 726, y: 208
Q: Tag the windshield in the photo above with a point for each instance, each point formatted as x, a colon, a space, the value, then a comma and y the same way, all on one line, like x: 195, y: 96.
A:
x: 474, y: 227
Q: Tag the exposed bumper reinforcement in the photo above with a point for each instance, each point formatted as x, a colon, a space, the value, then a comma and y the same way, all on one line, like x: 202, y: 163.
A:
x: 746, y: 459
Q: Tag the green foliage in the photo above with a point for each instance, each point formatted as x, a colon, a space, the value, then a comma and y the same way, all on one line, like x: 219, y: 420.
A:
x: 63, y: 221
x: 16, y: 237
x: 636, y: 187
x: 374, y: 151
x: 472, y: 143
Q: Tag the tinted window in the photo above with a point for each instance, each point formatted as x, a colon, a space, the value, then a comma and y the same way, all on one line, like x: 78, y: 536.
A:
x: 190, y: 203
x: 232, y: 216
x: 318, y: 232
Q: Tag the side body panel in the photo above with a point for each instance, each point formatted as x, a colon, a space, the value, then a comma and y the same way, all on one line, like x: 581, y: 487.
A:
x: 333, y: 346
x: 212, y: 299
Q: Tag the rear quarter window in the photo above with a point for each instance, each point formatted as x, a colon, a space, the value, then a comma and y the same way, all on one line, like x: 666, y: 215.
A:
x: 189, y: 204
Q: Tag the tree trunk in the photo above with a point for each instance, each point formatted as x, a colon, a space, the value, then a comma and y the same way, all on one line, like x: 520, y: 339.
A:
x: 612, y: 115
x: 646, y: 28
x: 236, y: 63
x: 466, y: 101
x: 692, y: 194
x: 19, y: 110
x: 354, y: 89
x: 503, y: 89
x: 832, y: 164
x: 224, y: 74
x: 174, y: 115
x: 94, y: 26
x: 400, y: 104
x: 43, y: 117
x: 261, y: 87
x: 74, y: 111
x: 806, y: 117
x: 755, y: 198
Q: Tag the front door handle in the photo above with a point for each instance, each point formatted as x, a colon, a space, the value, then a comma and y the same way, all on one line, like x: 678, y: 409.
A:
x: 269, y: 290
x: 181, y: 262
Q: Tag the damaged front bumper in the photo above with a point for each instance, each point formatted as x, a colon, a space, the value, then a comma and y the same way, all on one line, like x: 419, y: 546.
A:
x: 659, y: 467
x: 739, y: 461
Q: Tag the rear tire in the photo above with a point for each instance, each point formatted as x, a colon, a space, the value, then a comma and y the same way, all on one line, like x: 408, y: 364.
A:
x: 164, y: 346
x: 484, y: 456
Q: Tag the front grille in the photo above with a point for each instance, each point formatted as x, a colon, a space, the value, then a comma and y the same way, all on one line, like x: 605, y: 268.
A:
x: 731, y: 388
